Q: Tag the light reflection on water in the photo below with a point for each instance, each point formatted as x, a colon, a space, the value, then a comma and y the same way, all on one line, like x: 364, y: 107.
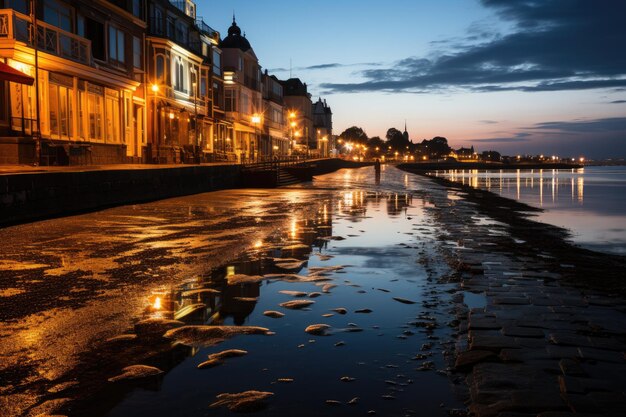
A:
x: 590, y: 201
x: 372, y: 234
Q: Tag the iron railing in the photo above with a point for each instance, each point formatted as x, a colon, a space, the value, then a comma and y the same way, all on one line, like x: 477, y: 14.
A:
x: 51, y: 39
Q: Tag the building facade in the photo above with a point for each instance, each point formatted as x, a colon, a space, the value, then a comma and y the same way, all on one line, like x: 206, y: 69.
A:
x: 300, y: 114
x: 275, y: 138
x: 243, y: 104
x: 88, y: 105
x: 181, y: 51
x: 323, y: 125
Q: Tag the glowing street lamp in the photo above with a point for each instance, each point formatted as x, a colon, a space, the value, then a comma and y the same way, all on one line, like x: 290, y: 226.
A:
x: 156, y: 139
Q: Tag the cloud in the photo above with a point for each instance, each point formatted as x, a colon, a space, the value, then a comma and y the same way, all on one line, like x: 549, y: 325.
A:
x: 488, y: 122
x: 618, y: 102
x: 554, y: 45
x: 610, y: 124
x: 327, y: 66
x: 518, y: 137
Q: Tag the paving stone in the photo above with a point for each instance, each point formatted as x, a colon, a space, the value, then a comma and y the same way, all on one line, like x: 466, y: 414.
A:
x: 510, y: 300
x: 607, y: 343
x: 485, y: 323
x: 466, y: 360
x: 521, y: 355
x: 569, y: 339
x: 481, y: 341
x: 576, y: 385
x: 571, y: 367
x: 522, y: 331
x: 601, y: 355
x: 544, y: 301
x: 534, y: 400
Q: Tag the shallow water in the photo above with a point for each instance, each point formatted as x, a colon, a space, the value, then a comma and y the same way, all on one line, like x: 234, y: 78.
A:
x: 381, y: 232
x: 590, y: 202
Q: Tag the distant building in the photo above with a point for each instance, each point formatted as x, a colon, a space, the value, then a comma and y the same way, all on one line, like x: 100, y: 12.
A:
x: 242, y: 93
x: 89, y: 104
x: 300, y: 113
x: 275, y: 136
x: 464, y: 154
x: 179, y: 76
x: 323, y: 125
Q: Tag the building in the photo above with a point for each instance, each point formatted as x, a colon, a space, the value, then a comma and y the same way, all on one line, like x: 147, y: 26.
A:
x: 323, y: 126
x: 275, y: 137
x: 300, y: 115
x: 242, y: 94
x: 181, y: 52
x: 89, y: 104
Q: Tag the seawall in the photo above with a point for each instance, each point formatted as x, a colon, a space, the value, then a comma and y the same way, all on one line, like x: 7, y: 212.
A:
x: 29, y: 196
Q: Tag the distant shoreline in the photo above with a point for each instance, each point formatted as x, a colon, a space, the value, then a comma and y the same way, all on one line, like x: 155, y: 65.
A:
x: 592, y: 269
x: 438, y: 166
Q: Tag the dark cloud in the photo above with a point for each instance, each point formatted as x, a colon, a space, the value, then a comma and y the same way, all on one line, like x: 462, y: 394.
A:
x: 518, y: 137
x: 321, y: 66
x: 488, y: 122
x: 555, y: 45
x: 611, y: 124
x: 618, y: 102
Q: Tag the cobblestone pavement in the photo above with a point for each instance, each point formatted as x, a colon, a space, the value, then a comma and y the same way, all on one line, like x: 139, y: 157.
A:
x: 530, y: 343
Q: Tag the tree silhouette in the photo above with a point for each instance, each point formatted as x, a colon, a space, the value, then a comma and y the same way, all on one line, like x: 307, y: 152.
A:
x: 396, y: 139
x: 354, y: 134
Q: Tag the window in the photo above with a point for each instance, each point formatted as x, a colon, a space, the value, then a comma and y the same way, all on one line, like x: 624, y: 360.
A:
x: 217, y: 63
x: 137, y: 9
x: 216, y: 95
x: 116, y: 45
x: 18, y: 5
x: 94, y: 31
x: 230, y: 100
x: 160, y: 69
x: 112, y: 112
x: 137, y: 52
x: 80, y: 25
x: 95, y: 110
x: 158, y: 21
x: 60, y: 105
x: 179, y: 73
x: 58, y: 14
x: 245, y: 104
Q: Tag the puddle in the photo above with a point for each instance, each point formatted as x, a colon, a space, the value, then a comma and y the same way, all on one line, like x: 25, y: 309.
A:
x: 474, y: 300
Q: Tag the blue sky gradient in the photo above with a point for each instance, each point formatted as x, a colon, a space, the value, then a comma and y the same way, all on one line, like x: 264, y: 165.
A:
x: 518, y: 76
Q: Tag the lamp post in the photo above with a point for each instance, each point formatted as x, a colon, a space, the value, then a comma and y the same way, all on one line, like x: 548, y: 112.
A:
x: 256, y: 120
x: 156, y: 139
x: 33, y: 16
x: 292, y: 127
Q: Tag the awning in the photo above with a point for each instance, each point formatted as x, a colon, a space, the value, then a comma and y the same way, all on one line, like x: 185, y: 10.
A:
x: 8, y: 73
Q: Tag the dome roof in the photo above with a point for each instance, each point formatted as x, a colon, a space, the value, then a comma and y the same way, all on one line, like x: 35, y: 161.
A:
x: 234, y: 38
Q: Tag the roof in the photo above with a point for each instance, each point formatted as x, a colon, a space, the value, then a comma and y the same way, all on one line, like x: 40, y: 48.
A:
x: 234, y: 39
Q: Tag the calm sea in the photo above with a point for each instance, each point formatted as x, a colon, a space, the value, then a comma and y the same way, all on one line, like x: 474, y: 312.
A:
x: 590, y: 202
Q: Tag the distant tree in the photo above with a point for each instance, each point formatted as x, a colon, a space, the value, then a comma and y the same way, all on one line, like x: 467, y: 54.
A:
x: 396, y: 139
x: 354, y: 134
x: 491, y: 156
x: 437, y: 147
x: 375, y: 142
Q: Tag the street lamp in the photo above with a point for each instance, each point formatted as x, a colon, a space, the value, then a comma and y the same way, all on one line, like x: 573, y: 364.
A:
x: 256, y: 120
x: 156, y: 139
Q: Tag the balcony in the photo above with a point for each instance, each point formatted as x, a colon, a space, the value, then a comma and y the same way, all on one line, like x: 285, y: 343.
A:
x: 51, y: 39
x: 158, y: 28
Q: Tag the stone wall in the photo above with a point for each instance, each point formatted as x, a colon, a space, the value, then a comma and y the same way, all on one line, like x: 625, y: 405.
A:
x: 30, y: 196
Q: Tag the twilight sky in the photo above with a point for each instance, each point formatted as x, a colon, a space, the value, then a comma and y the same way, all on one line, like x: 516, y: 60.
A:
x: 517, y: 76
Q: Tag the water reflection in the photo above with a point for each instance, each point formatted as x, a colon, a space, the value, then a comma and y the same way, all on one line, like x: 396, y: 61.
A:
x: 528, y: 184
x: 588, y: 201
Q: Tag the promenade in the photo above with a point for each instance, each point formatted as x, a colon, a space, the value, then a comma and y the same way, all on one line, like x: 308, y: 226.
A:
x: 542, y: 328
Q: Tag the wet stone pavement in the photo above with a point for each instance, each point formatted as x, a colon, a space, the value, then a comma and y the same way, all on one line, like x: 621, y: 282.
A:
x: 357, y: 295
x: 530, y: 343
